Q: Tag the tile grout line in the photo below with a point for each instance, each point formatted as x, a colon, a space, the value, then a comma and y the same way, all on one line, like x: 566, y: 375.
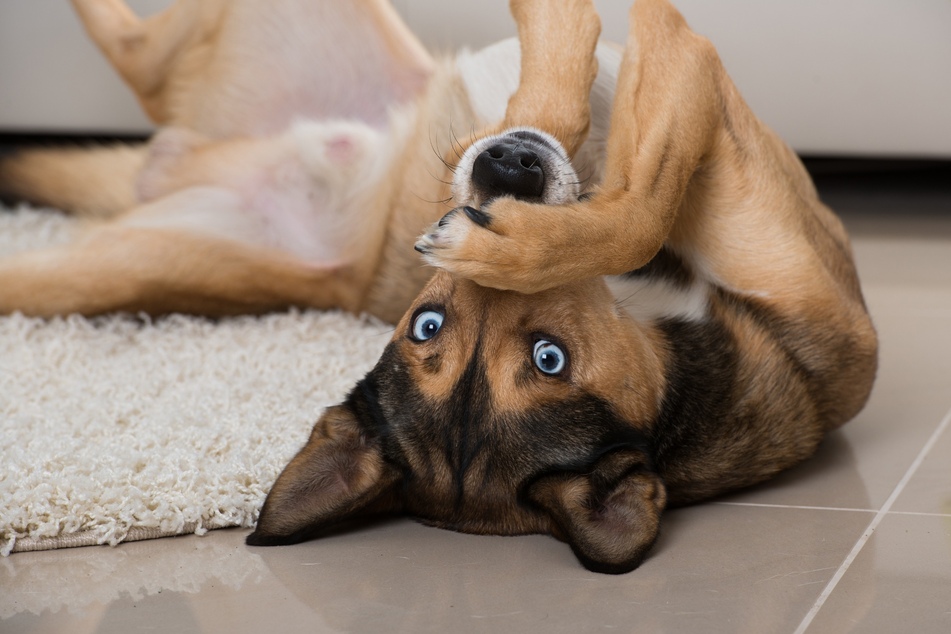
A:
x: 917, y: 514
x: 797, y: 507
x: 845, y: 509
x: 857, y: 548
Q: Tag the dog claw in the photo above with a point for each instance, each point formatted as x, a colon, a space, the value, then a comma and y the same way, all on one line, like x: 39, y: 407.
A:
x: 445, y: 219
x: 478, y: 216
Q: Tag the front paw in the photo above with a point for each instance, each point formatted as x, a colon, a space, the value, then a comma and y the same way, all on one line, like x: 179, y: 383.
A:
x: 451, y: 231
x: 493, y: 247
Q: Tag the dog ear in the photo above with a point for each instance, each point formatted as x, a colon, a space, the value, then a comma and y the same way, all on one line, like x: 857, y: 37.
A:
x: 609, y: 515
x: 339, y: 474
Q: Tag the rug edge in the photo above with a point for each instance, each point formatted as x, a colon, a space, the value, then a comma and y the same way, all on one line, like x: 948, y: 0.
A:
x: 93, y: 538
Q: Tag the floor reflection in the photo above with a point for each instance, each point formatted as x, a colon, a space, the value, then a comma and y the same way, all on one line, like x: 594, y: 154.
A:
x: 78, y: 579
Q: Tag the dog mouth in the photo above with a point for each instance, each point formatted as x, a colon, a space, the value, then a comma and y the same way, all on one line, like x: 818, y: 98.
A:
x: 524, y: 163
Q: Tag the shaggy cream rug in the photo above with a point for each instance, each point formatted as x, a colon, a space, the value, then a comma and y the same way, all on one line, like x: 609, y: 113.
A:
x: 122, y: 428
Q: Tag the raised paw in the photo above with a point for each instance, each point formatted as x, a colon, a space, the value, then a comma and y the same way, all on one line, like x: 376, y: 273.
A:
x: 448, y: 233
x: 506, y: 245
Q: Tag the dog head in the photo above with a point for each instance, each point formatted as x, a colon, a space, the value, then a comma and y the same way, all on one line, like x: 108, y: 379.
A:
x: 492, y: 412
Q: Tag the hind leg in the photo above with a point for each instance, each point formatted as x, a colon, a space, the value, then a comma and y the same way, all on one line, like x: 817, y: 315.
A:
x: 143, y: 50
x: 158, y: 271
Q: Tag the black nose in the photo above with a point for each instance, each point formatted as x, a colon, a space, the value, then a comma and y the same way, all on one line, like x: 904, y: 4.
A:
x: 508, y: 168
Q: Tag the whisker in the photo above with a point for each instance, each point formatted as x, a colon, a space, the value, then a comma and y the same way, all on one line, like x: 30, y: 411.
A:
x: 453, y: 140
x: 437, y: 179
x: 432, y: 146
x: 384, y: 331
x: 443, y: 202
x: 621, y: 302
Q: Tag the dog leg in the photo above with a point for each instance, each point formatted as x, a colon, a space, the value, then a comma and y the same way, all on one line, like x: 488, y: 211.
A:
x: 210, y: 66
x: 94, y: 182
x: 666, y: 115
x: 121, y: 268
x: 557, y: 48
x: 142, y: 51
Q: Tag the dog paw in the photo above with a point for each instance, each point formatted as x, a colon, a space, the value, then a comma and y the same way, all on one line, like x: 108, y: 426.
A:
x: 451, y: 231
x: 493, y: 246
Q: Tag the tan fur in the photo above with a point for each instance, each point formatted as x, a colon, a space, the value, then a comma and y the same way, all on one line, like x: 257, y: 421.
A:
x: 763, y: 349
x: 186, y: 64
x: 688, y: 165
x: 643, y: 414
x: 605, y: 339
x: 93, y: 183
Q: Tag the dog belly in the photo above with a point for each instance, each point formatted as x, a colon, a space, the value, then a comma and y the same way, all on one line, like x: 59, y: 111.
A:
x: 307, y: 192
x: 277, y: 222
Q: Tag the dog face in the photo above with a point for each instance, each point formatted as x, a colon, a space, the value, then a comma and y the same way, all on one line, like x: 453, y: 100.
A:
x: 492, y: 412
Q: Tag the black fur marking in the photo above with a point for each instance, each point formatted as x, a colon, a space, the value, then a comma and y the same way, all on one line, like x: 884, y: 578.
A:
x: 364, y: 402
x: 795, y: 340
x: 666, y: 265
x: 616, y: 436
x: 464, y: 436
x: 701, y: 380
x: 464, y: 419
x: 312, y: 532
x: 7, y: 196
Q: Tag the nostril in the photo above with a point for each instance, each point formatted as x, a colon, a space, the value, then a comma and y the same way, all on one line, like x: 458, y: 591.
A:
x: 528, y: 160
x: 508, y: 169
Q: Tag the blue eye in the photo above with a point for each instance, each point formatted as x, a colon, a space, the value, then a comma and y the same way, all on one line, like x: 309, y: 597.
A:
x: 427, y: 324
x: 549, y: 358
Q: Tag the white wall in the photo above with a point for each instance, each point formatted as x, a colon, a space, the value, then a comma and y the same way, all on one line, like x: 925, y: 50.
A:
x: 858, y: 77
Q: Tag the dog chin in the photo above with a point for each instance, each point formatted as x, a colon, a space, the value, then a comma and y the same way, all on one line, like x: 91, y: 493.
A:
x: 561, y: 181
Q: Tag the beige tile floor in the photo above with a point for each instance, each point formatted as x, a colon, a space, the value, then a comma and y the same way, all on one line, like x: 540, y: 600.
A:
x: 856, y: 540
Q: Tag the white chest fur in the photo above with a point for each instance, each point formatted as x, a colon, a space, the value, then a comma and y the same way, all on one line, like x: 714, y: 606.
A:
x: 491, y: 76
x: 650, y: 299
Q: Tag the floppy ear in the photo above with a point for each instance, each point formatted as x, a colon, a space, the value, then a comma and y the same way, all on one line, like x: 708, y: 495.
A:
x: 610, y: 515
x: 339, y: 474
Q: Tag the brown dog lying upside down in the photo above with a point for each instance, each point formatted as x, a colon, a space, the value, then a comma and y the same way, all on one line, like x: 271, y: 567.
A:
x: 305, y: 144
x: 523, y: 393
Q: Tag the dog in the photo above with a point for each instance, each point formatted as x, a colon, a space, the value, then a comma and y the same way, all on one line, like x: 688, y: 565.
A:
x: 681, y: 320
x: 304, y: 146
x: 581, y: 361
